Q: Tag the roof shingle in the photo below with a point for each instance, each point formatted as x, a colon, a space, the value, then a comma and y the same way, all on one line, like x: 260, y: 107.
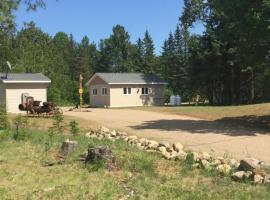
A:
x: 130, y: 78
x: 24, y: 77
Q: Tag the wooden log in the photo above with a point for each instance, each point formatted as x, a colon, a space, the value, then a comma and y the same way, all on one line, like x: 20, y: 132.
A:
x: 101, y: 153
x: 68, y: 146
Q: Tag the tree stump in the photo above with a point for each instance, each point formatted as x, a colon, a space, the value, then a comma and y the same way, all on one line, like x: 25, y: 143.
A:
x: 100, y: 153
x: 68, y: 147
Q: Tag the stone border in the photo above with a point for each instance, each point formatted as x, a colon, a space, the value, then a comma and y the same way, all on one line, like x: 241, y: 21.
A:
x: 246, y: 169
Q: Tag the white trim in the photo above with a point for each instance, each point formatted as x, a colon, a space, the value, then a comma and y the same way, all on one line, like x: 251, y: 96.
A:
x: 102, y: 91
x: 8, y: 81
x: 148, y: 90
x: 127, y: 94
x: 92, y: 93
x: 93, y: 77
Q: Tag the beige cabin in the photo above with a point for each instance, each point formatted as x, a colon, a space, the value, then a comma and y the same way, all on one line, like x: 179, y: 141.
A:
x: 13, y: 86
x: 125, y: 90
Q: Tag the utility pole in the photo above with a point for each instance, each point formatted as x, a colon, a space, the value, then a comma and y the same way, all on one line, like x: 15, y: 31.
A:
x: 81, y: 92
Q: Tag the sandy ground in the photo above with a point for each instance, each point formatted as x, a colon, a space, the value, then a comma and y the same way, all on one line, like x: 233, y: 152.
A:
x: 196, y: 134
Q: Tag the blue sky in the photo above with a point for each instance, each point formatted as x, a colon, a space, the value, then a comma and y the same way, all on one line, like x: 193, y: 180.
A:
x: 95, y: 18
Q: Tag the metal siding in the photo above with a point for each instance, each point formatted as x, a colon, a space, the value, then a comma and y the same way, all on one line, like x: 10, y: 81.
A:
x: 14, y: 91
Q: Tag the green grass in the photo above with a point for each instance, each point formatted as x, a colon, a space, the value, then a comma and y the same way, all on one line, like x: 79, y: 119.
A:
x: 24, y: 176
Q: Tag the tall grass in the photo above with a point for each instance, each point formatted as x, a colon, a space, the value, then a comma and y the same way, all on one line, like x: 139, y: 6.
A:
x: 140, y: 174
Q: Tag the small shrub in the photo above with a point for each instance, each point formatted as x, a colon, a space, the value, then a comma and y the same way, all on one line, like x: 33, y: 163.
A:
x: 3, y: 117
x: 74, y: 128
x: 57, y: 126
x: 20, y: 123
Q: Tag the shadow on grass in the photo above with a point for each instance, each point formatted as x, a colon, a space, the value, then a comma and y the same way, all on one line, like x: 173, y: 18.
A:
x: 232, y: 126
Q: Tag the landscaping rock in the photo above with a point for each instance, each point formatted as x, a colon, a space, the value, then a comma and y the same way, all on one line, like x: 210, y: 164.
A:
x: 162, y: 150
x: 216, y: 162
x: 250, y: 164
x: 178, y: 147
x: 167, y: 155
x: 234, y: 163
x: 88, y: 135
x: 205, y: 164
x: 194, y: 156
x: 132, y: 138
x: 241, y: 175
x: 164, y: 144
x: 204, y: 156
x: 126, y: 139
x: 257, y: 179
x: 174, y: 154
x: 113, y: 133
x: 104, y: 129
x: 152, y: 144
x: 196, y: 166
x: 267, y: 179
x: 100, y: 137
x: 140, y: 146
x: 224, y: 169
x: 181, y: 155
x: 143, y: 141
x: 93, y: 136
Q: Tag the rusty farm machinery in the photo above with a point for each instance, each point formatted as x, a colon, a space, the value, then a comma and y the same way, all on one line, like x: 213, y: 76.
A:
x: 34, y: 109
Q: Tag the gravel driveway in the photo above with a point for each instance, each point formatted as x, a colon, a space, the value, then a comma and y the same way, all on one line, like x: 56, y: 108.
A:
x: 196, y: 134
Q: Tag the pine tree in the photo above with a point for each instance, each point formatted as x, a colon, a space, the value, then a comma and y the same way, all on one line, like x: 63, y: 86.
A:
x: 149, y: 56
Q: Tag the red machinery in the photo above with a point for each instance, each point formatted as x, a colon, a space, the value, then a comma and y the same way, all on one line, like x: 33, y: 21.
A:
x: 34, y: 108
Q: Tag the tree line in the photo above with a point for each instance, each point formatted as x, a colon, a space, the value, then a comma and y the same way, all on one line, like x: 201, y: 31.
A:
x: 228, y: 63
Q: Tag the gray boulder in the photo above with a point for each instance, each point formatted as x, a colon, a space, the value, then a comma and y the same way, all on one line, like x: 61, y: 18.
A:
x: 178, y: 147
x: 224, y: 169
x: 205, y: 164
x: 250, y: 164
x: 241, y: 175
x: 258, y: 179
x: 152, y: 144
x: 164, y: 144
x: 267, y: 179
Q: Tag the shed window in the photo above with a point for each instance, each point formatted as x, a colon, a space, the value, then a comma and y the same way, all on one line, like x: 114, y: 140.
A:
x: 126, y: 91
x: 145, y: 91
x: 104, y: 91
x: 94, y: 91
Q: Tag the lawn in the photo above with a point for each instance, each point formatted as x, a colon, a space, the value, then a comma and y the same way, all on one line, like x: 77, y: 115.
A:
x: 257, y: 115
x: 142, y: 175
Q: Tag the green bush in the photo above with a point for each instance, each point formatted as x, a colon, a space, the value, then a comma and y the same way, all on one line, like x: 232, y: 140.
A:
x: 3, y: 117
x: 74, y: 127
x: 20, y: 123
x: 57, y: 126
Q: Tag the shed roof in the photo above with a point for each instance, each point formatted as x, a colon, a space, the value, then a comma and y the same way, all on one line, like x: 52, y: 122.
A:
x: 24, y: 78
x: 129, y: 78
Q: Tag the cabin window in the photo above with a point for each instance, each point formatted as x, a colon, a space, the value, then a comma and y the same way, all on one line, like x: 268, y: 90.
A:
x: 104, y: 91
x: 145, y: 91
x: 126, y: 91
x: 94, y: 91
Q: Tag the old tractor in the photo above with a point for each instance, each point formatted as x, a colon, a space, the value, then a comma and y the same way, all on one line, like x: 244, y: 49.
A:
x: 33, y: 107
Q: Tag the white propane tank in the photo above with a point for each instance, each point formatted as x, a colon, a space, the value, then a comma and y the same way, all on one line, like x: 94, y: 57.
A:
x: 173, y: 100
x: 178, y: 100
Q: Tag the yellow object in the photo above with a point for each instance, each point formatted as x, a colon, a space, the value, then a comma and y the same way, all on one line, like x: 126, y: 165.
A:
x: 81, y: 92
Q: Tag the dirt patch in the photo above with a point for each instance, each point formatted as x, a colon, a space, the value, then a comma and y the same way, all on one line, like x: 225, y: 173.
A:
x: 196, y: 134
